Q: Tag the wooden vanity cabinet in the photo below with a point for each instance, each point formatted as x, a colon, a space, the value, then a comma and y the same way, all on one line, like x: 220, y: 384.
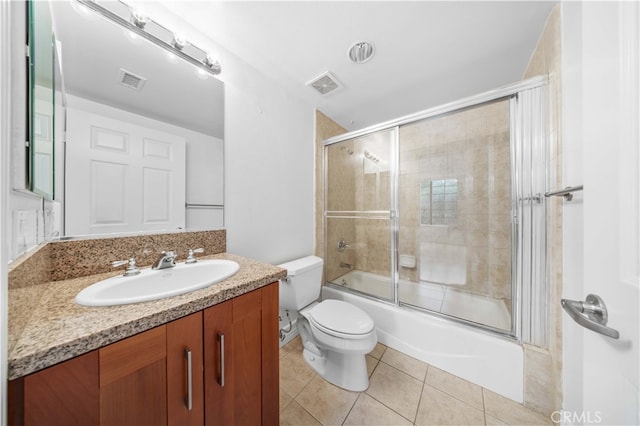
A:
x: 185, y: 392
x: 144, y: 379
x: 241, y: 360
x: 133, y: 380
x: 64, y: 394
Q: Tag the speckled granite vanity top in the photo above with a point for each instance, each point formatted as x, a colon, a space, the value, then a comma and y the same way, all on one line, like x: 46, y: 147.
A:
x: 48, y: 327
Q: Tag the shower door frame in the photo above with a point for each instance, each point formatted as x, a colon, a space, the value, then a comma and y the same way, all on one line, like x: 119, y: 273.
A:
x: 518, y: 324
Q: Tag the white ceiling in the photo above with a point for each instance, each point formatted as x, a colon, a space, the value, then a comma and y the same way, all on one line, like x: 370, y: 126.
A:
x: 427, y: 53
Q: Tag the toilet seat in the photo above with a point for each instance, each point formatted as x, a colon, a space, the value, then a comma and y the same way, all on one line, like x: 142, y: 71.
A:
x: 340, y: 319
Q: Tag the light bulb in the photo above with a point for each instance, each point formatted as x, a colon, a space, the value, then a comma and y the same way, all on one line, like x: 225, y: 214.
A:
x: 179, y: 41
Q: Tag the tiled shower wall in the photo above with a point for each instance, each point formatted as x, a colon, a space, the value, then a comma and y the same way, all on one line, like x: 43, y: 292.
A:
x: 325, y: 128
x: 470, y: 147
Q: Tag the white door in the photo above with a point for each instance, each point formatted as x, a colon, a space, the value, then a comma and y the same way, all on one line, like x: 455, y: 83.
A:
x: 601, y: 225
x: 121, y: 177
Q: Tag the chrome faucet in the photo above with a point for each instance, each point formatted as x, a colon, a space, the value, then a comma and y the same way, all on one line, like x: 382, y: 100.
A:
x: 342, y: 244
x: 191, y: 255
x: 132, y: 268
x: 167, y: 259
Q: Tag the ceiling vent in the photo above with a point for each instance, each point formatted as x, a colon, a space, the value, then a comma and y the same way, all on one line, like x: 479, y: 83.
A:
x: 325, y: 83
x: 130, y: 80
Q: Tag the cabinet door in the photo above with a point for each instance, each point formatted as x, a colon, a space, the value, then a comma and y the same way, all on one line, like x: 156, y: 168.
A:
x: 218, y: 383
x: 133, y: 380
x: 270, y: 356
x: 63, y: 394
x: 184, y: 371
x: 241, y: 359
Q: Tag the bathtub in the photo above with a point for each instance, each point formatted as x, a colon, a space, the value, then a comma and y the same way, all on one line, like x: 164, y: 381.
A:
x: 493, y: 362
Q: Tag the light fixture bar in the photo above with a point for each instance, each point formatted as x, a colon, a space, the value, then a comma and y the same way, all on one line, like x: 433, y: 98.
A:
x: 206, y: 63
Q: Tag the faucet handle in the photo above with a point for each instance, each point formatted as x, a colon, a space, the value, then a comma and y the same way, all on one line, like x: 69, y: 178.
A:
x: 130, y: 270
x: 342, y: 244
x: 191, y: 257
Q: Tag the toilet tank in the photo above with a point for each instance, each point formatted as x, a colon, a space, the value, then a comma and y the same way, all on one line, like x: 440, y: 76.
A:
x: 303, y: 283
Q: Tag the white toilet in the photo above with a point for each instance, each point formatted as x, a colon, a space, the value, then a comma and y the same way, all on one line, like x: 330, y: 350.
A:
x: 336, y: 335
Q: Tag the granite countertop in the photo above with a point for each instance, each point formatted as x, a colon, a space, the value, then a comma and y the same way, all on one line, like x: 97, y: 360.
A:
x: 48, y: 327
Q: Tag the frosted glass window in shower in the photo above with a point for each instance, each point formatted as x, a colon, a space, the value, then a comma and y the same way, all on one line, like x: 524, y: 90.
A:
x: 439, y: 202
x: 454, y: 201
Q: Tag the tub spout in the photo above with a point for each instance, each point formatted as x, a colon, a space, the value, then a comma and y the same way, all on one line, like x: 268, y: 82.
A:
x: 346, y: 265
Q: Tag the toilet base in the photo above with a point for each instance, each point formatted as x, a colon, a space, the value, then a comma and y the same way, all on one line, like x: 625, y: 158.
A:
x: 346, y: 370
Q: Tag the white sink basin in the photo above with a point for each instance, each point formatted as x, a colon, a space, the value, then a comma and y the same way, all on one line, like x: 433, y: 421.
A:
x: 153, y: 284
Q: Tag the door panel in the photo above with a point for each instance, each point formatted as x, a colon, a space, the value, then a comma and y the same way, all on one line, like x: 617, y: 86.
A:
x: 600, y: 108
x: 122, y: 177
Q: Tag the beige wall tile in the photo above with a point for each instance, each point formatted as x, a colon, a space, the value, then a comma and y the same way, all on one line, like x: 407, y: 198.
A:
x: 511, y: 412
x: 325, y: 128
x: 538, y: 363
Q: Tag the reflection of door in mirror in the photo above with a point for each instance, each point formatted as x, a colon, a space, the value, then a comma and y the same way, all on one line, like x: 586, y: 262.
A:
x: 97, y: 60
x: 122, y: 177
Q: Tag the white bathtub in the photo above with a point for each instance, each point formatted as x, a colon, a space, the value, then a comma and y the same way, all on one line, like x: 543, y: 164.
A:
x: 492, y: 362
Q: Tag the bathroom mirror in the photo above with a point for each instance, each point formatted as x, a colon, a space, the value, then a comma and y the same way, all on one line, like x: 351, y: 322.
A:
x: 124, y: 94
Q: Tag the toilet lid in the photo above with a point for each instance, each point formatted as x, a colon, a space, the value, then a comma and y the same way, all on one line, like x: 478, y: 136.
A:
x: 341, y: 317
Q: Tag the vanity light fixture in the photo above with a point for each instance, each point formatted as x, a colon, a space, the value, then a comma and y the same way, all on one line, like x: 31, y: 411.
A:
x: 361, y: 52
x: 138, y: 23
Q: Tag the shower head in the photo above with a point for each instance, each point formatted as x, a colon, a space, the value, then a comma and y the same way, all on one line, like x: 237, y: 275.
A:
x: 349, y: 150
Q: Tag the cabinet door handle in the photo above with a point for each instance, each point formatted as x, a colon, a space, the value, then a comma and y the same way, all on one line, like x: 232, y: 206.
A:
x: 189, y: 400
x: 221, y: 339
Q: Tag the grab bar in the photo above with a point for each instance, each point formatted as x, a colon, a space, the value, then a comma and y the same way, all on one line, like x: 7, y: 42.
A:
x: 566, y: 193
x: 592, y: 314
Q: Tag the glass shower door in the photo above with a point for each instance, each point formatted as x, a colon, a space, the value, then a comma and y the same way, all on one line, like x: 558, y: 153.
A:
x: 358, y: 231
x: 455, y: 201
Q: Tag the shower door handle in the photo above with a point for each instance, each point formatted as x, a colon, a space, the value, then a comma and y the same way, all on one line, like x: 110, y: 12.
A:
x: 591, y: 314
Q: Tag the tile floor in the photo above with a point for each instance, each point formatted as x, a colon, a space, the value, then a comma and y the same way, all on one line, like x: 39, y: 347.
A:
x: 402, y: 391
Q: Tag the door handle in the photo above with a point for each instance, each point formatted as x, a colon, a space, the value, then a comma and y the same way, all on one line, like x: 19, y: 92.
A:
x: 189, y: 399
x: 592, y: 314
x: 221, y: 339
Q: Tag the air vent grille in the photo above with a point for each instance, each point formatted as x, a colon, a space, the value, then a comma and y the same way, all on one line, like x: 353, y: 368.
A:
x: 325, y: 83
x: 130, y: 80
